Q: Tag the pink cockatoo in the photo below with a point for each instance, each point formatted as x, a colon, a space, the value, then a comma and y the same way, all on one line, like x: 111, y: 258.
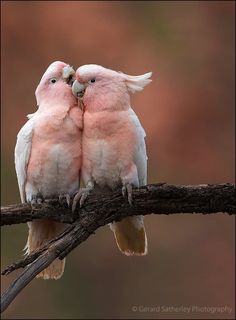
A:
x: 113, y: 145
x: 48, y: 154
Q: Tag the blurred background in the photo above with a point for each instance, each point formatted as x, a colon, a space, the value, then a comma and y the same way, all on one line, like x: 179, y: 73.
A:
x: 188, y: 115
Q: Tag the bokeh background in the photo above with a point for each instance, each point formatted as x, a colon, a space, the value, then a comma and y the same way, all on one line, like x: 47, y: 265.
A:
x: 188, y: 115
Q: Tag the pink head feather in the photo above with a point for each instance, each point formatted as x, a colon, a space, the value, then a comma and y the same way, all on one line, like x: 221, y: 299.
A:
x: 106, y: 89
x: 54, y: 86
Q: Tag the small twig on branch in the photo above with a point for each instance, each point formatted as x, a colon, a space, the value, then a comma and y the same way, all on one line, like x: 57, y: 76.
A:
x: 101, y: 210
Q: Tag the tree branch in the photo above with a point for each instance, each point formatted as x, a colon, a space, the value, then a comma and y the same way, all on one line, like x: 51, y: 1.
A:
x: 101, y: 210
x: 153, y: 198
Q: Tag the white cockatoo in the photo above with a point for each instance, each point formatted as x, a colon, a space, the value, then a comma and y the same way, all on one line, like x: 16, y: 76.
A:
x: 113, y: 146
x: 48, y: 154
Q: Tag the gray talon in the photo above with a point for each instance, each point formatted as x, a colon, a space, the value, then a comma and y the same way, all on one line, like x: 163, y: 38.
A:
x: 38, y: 199
x: 81, y: 196
x: 78, y: 198
x: 75, y: 200
x: 124, y: 191
x: 127, y: 191
x: 66, y: 197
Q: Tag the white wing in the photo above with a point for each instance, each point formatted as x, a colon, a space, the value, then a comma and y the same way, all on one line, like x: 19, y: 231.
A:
x: 140, y: 156
x: 22, y: 154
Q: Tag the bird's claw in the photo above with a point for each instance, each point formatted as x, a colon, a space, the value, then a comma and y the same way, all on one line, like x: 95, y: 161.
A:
x: 37, y: 199
x: 127, y: 191
x: 65, y: 196
x: 80, y: 197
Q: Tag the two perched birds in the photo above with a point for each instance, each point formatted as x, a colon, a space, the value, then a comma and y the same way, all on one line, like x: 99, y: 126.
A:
x: 84, y: 128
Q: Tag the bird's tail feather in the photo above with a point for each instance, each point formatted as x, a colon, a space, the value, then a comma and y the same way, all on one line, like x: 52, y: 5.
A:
x: 40, y: 232
x: 130, y: 236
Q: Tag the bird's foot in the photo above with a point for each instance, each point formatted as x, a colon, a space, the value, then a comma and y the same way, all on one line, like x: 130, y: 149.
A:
x: 81, y: 196
x: 127, y: 192
x: 37, y: 199
x: 64, y: 196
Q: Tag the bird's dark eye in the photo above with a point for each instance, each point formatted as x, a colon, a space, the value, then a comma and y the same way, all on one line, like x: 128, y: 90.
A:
x: 92, y: 80
x: 53, y: 80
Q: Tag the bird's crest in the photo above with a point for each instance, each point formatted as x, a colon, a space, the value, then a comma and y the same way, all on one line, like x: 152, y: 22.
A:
x: 137, y: 83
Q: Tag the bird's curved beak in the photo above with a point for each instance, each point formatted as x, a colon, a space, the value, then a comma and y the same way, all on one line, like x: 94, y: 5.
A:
x: 68, y: 74
x: 78, y: 89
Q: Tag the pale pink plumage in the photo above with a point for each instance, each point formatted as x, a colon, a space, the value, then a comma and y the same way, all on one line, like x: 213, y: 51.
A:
x: 114, y: 152
x: 48, y: 153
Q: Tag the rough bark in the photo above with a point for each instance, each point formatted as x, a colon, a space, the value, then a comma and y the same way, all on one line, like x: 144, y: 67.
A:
x: 101, y: 210
x: 153, y: 198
